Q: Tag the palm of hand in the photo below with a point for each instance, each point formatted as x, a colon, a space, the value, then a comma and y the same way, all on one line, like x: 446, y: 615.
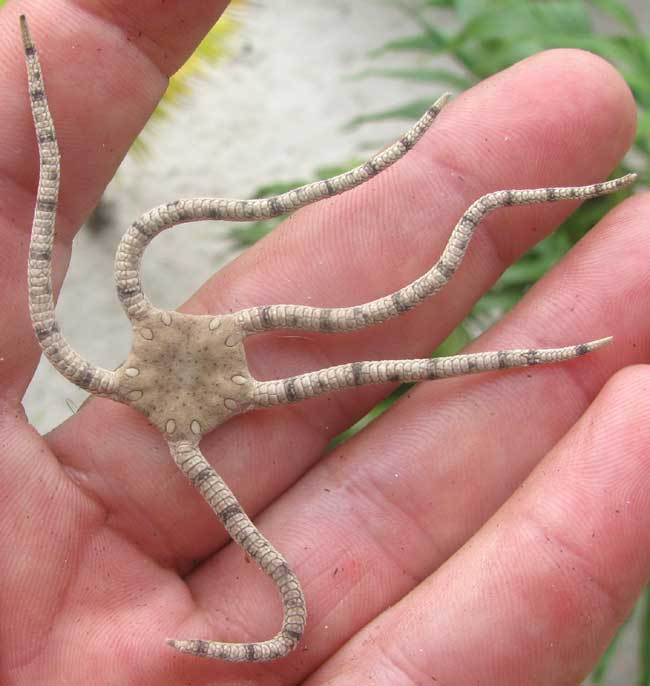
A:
x: 112, y: 552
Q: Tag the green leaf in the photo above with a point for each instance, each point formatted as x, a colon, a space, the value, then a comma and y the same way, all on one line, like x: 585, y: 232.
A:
x: 592, y: 212
x: 483, y: 59
x: 247, y: 235
x: 454, y: 343
x: 644, y: 642
x: 512, y: 20
x: 468, y: 9
x: 536, y: 262
x: 441, y: 76
x: 412, y: 110
x: 418, y: 16
x: 617, y: 10
x: 601, y: 669
x: 327, y: 172
x: 643, y: 124
x: 420, y: 43
x: 376, y: 411
x: 628, y: 53
x: 278, y: 187
x: 625, y: 49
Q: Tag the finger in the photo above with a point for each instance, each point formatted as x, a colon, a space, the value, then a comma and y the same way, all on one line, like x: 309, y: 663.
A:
x: 385, y: 235
x: 43, y: 517
x: 538, y: 593
x: 97, y: 123
x: 127, y: 50
x: 384, y: 510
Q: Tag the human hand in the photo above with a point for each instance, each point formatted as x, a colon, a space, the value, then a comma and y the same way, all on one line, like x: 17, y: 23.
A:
x: 110, y: 551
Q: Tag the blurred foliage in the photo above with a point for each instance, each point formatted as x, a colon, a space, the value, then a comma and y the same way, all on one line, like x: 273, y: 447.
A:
x: 644, y: 644
x: 212, y: 48
x: 486, y: 37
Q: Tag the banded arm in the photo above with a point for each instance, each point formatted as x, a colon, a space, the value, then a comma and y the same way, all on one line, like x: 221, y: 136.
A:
x: 41, y: 301
x: 223, y: 503
x: 149, y: 225
x: 342, y: 319
x: 311, y: 384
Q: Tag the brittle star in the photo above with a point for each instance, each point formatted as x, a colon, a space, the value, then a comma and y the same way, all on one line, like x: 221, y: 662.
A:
x: 188, y: 374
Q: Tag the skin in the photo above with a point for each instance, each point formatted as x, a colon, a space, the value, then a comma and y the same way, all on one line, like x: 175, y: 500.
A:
x: 488, y: 528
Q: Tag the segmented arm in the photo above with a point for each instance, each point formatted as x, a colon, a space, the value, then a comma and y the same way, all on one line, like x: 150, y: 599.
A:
x: 341, y: 319
x: 303, y: 386
x: 41, y: 301
x: 150, y: 224
x: 223, y: 503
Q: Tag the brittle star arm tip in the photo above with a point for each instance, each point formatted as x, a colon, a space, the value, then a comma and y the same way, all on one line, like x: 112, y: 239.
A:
x: 601, y: 342
x: 222, y: 501
x: 24, y: 31
x: 40, y: 289
x: 353, y: 374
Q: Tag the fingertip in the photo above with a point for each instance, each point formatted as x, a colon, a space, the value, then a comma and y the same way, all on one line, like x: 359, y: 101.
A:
x: 624, y: 403
x: 590, y: 89
x: 562, y: 108
x: 585, y: 73
x: 633, y: 210
x: 604, y: 463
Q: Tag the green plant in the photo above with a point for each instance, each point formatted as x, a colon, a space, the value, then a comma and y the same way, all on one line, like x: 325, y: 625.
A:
x: 486, y: 37
x: 211, y: 49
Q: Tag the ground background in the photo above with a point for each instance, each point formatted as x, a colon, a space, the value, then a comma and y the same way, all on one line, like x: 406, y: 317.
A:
x: 274, y: 110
